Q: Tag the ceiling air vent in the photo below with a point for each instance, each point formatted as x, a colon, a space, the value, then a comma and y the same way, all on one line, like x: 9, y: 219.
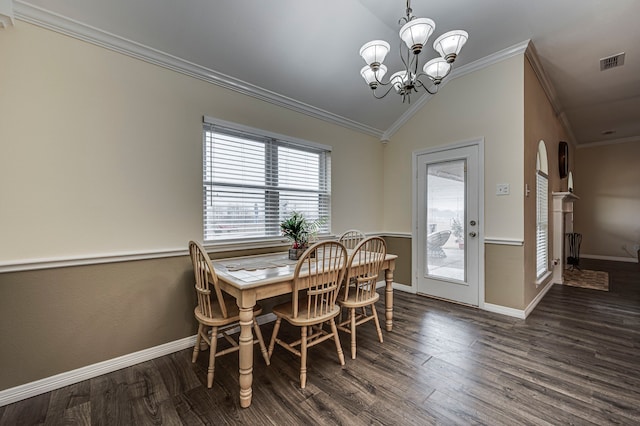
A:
x: 612, y: 61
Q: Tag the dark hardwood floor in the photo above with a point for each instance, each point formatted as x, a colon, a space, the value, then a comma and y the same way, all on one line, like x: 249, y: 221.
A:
x: 575, y: 360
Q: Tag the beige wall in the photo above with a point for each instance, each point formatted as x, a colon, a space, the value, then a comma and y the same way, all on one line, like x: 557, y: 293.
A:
x: 401, y: 246
x: 489, y: 104
x: 102, y: 152
x: 540, y: 124
x: 503, y: 273
x: 102, y: 155
x: 607, y: 180
x: 57, y: 320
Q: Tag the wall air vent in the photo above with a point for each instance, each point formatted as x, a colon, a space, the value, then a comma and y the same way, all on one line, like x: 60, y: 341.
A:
x: 612, y: 61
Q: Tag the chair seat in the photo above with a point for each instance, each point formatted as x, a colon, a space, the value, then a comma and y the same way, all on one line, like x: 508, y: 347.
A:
x: 351, y: 301
x: 285, y: 310
x: 233, y: 313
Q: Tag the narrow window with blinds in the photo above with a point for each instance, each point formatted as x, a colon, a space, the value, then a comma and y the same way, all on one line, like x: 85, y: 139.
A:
x: 253, y: 181
x: 542, y: 212
x: 542, y: 224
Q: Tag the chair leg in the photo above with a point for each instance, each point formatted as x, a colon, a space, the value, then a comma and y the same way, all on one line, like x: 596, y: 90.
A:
x: 352, y: 316
x: 334, y: 330
x: 303, y: 357
x: 263, y: 348
x: 276, y: 327
x: 196, y: 348
x: 212, y: 356
x: 375, y: 316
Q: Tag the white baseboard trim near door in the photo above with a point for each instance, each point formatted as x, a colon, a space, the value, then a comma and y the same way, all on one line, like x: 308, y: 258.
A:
x: 537, y: 299
x: 518, y: 313
x: 504, y: 310
x: 404, y: 287
x: 18, y: 393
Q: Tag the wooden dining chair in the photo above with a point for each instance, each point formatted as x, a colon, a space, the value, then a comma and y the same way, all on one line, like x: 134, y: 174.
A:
x: 216, y: 310
x: 316, y: 283
x: 351, y: 238
x: 363, y: 268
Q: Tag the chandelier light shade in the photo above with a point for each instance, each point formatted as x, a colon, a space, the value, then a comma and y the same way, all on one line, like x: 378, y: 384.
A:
x: 372, y: 77
x: 399, y: 79
x: 448, y: 45
x: 414, y: 35
x: 437, y: 69
x: 374, y: 52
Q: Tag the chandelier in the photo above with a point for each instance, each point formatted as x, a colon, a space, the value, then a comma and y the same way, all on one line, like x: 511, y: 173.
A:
x: 414, y: 35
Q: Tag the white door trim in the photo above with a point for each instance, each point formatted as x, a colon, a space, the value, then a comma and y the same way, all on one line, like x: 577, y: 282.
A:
x: 479, y: 142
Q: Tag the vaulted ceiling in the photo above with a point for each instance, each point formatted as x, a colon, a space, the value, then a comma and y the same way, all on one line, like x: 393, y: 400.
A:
x: 305, y: 53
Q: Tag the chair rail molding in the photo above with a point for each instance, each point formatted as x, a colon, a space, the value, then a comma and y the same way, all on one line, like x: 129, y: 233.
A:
x: 504, y: 241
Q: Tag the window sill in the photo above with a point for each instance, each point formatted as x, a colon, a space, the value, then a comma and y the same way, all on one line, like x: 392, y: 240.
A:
x: 218, y: 247
x: 544, y: 278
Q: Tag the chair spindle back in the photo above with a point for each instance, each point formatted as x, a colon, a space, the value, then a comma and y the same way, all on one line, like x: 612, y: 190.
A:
x: 319, y: 273
x: 364, y: 267
x: 205, y: 275
x: 351, y: 238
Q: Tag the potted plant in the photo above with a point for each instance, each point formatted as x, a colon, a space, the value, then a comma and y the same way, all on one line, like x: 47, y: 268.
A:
x: 458, y: 232
x: 300, y: 232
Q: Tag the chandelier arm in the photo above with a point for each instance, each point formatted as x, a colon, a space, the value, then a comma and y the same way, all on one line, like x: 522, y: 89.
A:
x: 424, y: 86
x: 380, y: 82
x: 406, y: 66
x: 385, y: 93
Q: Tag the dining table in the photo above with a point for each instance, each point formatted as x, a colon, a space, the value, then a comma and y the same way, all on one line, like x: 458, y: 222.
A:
x: 258, y: 277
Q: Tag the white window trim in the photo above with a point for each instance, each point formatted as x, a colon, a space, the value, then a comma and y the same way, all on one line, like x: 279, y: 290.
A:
x: 248, y: 129
x: 258, y: 242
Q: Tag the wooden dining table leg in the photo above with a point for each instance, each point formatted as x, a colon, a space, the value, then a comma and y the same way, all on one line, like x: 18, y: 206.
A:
x: 388, y: 300
x: 246, y: 304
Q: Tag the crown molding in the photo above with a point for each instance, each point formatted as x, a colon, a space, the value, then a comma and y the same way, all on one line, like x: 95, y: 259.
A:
x: 52, y: 21
x: 494, y: 58
x: 532, y: 54
x: 609, y: 142
x: 6, y: 14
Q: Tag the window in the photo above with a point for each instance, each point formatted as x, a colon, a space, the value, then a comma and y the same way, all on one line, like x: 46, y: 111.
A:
x: 252, y: 180
x: 542, y: 212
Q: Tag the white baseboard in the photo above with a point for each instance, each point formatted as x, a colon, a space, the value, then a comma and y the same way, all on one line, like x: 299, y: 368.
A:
x: 537, y: 299
x: 18, y: 393
x: 48, y: 384
x: 404, y: 287
x: 504, y: 310
x: 518, y: 313
x: 612, y: 258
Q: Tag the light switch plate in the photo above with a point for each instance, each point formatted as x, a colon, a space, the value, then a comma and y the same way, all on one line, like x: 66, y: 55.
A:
x: 502, y: 189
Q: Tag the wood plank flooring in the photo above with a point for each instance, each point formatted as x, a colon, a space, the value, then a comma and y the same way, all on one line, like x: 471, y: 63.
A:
x: 575, y: 360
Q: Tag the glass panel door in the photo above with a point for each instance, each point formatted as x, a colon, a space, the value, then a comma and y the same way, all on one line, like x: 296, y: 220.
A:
x: 446, y: 220
x: 447, y: 224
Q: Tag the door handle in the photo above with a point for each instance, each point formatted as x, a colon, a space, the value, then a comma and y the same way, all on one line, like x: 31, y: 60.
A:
x: 472, y: 234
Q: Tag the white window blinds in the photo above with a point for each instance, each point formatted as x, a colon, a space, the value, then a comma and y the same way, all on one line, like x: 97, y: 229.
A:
x: 542, y: 224
x: 251, y: 182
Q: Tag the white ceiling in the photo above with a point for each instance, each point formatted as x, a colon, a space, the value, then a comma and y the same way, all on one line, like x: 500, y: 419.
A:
x: 307, y: 51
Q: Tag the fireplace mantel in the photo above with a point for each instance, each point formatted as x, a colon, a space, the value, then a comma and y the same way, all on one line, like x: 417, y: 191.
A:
x: 562, y: 223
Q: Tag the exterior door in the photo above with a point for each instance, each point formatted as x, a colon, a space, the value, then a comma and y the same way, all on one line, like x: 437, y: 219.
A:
x: 447, y: 224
